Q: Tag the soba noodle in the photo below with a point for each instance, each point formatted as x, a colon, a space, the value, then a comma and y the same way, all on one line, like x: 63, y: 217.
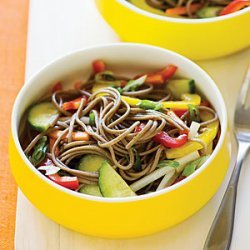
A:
x: 114, y: 134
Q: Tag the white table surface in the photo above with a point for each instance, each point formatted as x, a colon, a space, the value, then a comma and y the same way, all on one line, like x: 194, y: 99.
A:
x: 57, y: 27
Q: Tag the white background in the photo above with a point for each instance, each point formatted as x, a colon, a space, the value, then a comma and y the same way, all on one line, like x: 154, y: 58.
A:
x: 57, y: 27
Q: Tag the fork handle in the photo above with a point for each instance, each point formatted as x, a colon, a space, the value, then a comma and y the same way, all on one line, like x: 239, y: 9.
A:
x: 220, y: 233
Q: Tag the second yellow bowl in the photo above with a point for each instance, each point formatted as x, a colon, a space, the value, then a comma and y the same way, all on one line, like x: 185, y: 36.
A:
x: 195, y: 38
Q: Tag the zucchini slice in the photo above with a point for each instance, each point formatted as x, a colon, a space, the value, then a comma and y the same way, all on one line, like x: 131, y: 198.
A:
x: 181, y: 86
x: 42, y: 115
x: 207, y: 12
x: 90, y: 163
x: 111, y: 183
x: 91, y: 189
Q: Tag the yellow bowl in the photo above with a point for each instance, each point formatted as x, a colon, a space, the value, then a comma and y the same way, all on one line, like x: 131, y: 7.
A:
x: 118, y: 217
x: 197, y: 39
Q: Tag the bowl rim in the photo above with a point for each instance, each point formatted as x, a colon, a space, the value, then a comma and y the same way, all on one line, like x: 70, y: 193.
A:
x: 182, y: 20
x: 30, y: 81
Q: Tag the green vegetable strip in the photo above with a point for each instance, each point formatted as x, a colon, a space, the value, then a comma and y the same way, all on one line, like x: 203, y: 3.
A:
x: 91, y: 119
x: 39, y: 152
x: 107, y: 77
x: 194, y: 113
x: 137, y: 165
x: 192, y: 88
x: 132, y: 85
x: 169, y: 163
x: 147, y: 104
x: 192, y: 166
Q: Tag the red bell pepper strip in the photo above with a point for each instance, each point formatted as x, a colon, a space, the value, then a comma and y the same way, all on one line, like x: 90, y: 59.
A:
x: 183, y: 10
x: 170, y: 142
x: 74, y: 104
x: 139, y: 127
x: 70, y: 182
x: 234, y: 6
x: 98, y: 66
x: 183, y: 132
x: 168, y: 72
x: 179, y: 112
x: 161, y: 76
x: 57, y: 87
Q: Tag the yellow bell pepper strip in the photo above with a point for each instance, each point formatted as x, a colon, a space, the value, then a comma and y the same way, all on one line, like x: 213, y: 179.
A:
x: 207, y: 137
x: 208, y: 150
x: 192, y: 99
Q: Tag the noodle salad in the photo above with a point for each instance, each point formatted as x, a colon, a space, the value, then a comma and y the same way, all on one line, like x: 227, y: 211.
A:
x: 191, y: 8
x: 114, y: 136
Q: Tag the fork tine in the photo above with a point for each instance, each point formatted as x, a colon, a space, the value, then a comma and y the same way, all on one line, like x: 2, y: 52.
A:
x: 244, y: 95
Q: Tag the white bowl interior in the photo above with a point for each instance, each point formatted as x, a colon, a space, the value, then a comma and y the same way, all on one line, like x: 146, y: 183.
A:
x: 122, y: 58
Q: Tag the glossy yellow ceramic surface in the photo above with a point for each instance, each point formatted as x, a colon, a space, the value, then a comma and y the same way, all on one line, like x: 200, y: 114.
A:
x: 196, y: 38
x: 118, y: 217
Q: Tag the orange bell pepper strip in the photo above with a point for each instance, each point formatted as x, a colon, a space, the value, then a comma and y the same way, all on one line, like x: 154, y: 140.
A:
x: 76, y: 136
x: 74, y: 104
x: 51, y: 144
x: 80, y: 136
x: 183, y: 10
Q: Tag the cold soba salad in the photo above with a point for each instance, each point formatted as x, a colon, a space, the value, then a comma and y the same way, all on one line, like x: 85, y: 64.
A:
x: 114, y: 136
x: 191, y: 8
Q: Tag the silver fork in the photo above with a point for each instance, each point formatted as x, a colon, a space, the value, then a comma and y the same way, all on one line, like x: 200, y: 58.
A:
x: 220, y: 234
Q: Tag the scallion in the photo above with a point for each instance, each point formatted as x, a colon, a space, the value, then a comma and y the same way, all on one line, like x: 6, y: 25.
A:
x: 132, y: 85
x: 39, y: 152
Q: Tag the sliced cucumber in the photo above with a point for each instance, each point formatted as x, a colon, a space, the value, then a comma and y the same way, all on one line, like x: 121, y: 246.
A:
x: 91, y: 189
x: 181, y: 86
x: 144, y: 6
x: 42, y: 115
x: 207, y: 12
x: 90, y: 163
x: 111, y: 183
